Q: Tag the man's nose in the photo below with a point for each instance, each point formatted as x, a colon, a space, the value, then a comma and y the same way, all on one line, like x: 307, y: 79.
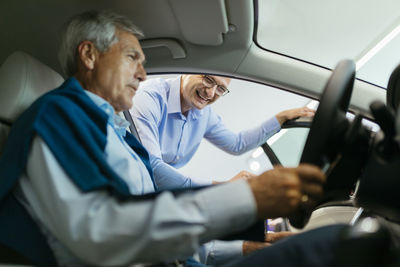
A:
x: 140, y: 73
x: 210, y: 91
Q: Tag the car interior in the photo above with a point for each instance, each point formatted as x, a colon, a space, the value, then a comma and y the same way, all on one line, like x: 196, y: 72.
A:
x: 362, y: 166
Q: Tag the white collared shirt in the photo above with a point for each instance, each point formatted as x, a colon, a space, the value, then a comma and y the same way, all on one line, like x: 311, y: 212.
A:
x: 95, y: 228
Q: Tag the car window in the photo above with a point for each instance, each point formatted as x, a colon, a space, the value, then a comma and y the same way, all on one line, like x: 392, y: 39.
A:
x: 289, y: 146
x: 325, y: 32
x: 246, y: 106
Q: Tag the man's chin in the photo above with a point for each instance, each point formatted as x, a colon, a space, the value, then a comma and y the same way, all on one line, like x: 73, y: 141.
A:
x: 126, y: 105
x: 201, y: 106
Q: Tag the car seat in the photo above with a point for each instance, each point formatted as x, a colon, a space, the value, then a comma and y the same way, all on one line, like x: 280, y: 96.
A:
x: 22, y: 80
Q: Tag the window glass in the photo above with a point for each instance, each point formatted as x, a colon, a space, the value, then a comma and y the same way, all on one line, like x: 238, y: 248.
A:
x: 289, y: 147
x: 324, y: 32
x: 246, y: 106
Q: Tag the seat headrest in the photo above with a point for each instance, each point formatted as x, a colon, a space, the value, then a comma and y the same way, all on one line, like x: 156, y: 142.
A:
x: 22, y: 80
x: 393, y: 89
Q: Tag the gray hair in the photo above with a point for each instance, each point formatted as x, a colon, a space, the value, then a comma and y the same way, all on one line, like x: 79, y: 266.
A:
x: 98, y: 27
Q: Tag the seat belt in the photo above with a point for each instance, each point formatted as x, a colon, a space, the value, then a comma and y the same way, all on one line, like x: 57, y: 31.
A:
x: 132, y: 125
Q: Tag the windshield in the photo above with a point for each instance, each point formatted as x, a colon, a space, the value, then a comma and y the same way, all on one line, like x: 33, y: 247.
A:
x: 323, y: 32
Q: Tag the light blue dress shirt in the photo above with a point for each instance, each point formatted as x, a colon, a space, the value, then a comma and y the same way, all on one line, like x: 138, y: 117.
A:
x: 172, y: 138
x: 134, y: 171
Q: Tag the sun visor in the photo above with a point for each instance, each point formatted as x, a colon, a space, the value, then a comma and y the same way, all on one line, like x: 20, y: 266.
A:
x: 201, y: 22
x: 173, y: 46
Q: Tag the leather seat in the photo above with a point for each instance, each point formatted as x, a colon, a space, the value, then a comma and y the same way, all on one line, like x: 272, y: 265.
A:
x: 22, y: 80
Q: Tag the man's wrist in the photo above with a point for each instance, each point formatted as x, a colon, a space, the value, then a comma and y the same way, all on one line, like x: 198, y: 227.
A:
x: 251, y: 246
x: 280, y: 118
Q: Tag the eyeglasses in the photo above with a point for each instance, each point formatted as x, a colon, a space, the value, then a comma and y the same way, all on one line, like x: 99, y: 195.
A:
x: 210, y: 83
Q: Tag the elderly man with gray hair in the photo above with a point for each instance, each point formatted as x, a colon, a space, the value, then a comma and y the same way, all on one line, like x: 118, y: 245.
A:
x: 81, y: 188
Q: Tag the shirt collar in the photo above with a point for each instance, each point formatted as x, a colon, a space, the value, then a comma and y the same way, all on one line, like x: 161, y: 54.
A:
x: 174, y: 100
x: 118, y: 123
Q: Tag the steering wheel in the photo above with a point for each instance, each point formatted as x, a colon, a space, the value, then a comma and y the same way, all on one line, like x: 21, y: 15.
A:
x: 330, y: 115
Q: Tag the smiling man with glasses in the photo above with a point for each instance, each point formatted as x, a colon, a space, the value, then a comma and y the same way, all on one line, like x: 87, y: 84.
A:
x: 173, y: 116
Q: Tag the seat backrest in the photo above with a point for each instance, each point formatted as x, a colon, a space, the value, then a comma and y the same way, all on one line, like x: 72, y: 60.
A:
x: 22, y: 80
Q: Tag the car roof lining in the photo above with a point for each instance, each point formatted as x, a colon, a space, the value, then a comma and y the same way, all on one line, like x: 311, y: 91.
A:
x: 172, y: 50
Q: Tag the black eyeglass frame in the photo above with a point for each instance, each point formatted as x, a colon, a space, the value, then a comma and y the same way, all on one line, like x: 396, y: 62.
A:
x: 221, y: 90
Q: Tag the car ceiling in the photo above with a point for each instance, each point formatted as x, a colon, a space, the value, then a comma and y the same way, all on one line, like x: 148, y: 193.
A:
x: 33, y: 26
x: 213, y: 36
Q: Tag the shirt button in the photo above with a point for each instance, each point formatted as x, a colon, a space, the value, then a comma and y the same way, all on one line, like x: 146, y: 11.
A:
x: 177, y: 158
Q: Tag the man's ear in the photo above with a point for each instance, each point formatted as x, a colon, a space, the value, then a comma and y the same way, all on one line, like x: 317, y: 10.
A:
x: 87, y: 53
